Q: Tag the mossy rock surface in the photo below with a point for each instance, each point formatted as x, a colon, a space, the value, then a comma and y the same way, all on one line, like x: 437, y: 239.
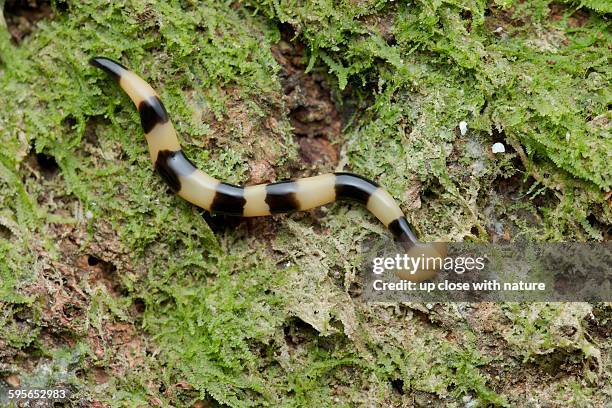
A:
x: 128, y: 296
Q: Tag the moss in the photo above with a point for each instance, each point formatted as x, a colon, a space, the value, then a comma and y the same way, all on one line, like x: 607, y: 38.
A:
x: 436, y: 64
x: 545, y: 329
x: 265, y: 313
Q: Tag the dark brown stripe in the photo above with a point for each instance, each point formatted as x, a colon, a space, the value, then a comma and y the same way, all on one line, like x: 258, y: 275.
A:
x: 402, y: 232
x: 112, y: 68
x: 152, y: 112
x: 281, y: 197
x: 170, y: 165
x: 229, y: 199
x: 352, y: 187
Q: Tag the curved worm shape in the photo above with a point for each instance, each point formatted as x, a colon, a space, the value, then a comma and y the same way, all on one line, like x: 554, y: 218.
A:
x: 216, y: 196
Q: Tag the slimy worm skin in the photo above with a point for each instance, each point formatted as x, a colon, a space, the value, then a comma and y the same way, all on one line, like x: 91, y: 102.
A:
x: 216, y: 196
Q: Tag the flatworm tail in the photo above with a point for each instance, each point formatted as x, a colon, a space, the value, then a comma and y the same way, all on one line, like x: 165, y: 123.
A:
x: 213, y: 195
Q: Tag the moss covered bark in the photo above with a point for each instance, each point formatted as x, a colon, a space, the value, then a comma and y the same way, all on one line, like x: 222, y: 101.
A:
x: 131, y: 297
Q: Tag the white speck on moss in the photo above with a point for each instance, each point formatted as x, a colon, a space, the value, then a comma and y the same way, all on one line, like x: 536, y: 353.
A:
x: 89, y: 215
x: 463, y: 127
x: 498, y: 148
x: 567, y: 136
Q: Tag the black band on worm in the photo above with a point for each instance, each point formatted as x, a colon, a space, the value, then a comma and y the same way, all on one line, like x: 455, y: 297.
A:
x: 112, y: 68
x: 229, y: 200
x: 352, y: 187
x: 281, y: 197
x: 401, y: 231
x: 152, y: 113
x: 171, y: 165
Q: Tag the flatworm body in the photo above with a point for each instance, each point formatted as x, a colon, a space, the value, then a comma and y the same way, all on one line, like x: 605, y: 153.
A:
x: 216, y: 196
